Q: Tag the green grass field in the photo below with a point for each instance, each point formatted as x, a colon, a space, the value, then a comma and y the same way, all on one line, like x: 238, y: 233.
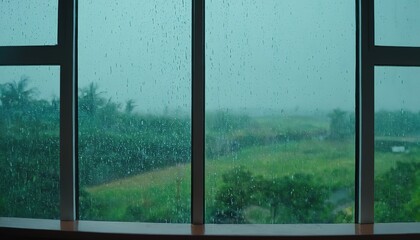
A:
x: 166, y: 192
x: 163, y: 195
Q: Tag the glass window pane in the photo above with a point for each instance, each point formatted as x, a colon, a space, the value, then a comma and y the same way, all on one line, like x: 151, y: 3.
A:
x: 29, y: 142
x: 397, y: 22
x: 30, y: 22
x: 280, y: 111
x: 397, y: 141
x: 134, y: 110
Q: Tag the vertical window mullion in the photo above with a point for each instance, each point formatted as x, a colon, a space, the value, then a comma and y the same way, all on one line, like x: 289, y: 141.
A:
x: 366, y: 142
x: 198, y: 108
x: 66, y: 43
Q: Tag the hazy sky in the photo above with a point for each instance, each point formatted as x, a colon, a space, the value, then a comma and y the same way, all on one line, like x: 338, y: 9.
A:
x: 267, y: 55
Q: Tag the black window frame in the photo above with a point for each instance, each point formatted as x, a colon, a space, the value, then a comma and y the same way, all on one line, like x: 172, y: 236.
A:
x: 64, y: 54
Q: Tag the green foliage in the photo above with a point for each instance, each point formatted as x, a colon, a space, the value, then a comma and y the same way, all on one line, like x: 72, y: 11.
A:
x: 396, y: 192
x: 224, y: 121
x: 397, y: 123
x: 288, y: 183
x: 234, y: 195
x: 90, y: 207
x: 15, y: 95
x: 129, y: 106
x: 90, y: 99
x: 341, y: 124
x: 302, y: 200
x: 295, y: 199
x: 29, y: 159
x: 412, y: 208
x: 130, y: 145
x: 227, y: 132
x: 30, y: 169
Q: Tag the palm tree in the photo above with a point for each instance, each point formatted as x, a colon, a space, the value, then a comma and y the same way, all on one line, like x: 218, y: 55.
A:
x: 129, y: 106
x: 90, y: 99
x: 16, y: 95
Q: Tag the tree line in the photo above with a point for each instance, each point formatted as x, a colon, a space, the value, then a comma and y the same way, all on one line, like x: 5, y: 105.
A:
x: 115, y: 141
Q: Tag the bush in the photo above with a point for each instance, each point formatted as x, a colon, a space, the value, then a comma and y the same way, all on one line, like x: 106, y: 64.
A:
x: 395, y: 194
x: 295, y: 199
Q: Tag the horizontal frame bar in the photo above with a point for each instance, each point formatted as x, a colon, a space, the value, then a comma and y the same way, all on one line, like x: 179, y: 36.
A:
x: 30, y: 55
x: 396, y: 56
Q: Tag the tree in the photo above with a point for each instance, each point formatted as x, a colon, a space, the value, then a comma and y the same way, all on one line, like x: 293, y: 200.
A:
x: 129, y: 106
x: 340, y: 126
x: 396, y: 123
x: 395, y: 192
x: 90, y: 100
x: 109, y: 114
x: 295, y: 199
x: 234, y: 196
x: 274, y: 192
x: 16, y: 95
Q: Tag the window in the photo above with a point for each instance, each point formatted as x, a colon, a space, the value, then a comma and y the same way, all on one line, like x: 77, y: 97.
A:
x: 28, y: 22
x: 396, y: 140
x: 279, y: 142
x: 394, y: 78
x: 226, y: 126
x: 30, y: 150
x: 396, y: 23
x: 134, y: 110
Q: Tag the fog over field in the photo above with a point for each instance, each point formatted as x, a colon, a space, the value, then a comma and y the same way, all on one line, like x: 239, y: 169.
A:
x: 261, y: 56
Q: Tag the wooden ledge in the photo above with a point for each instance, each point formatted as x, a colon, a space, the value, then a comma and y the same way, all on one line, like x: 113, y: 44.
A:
x: 55, y: 229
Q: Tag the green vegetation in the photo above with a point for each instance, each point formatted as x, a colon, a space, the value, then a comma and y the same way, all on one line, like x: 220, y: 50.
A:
x: 341, y: 124
x: 136, y: 167
x: 296, y: 199
x: 29, y: 153
x: 397, y: 193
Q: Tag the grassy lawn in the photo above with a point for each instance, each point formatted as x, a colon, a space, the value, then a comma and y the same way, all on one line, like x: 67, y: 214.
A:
x: 166, y: 192
x: 163, y: 194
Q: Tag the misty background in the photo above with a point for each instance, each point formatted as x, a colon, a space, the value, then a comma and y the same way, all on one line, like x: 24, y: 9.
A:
x: 266, y: 56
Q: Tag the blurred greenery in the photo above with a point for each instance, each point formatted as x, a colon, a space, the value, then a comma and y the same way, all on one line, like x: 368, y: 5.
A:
x: 259, y: 169
x: 295, y: 199
x: 395, y: 199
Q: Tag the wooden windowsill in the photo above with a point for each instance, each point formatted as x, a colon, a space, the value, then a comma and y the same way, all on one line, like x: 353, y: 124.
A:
x: 55, y: 229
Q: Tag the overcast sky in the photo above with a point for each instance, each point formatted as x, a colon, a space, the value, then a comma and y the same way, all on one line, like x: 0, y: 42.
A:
x: 268, y: 55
